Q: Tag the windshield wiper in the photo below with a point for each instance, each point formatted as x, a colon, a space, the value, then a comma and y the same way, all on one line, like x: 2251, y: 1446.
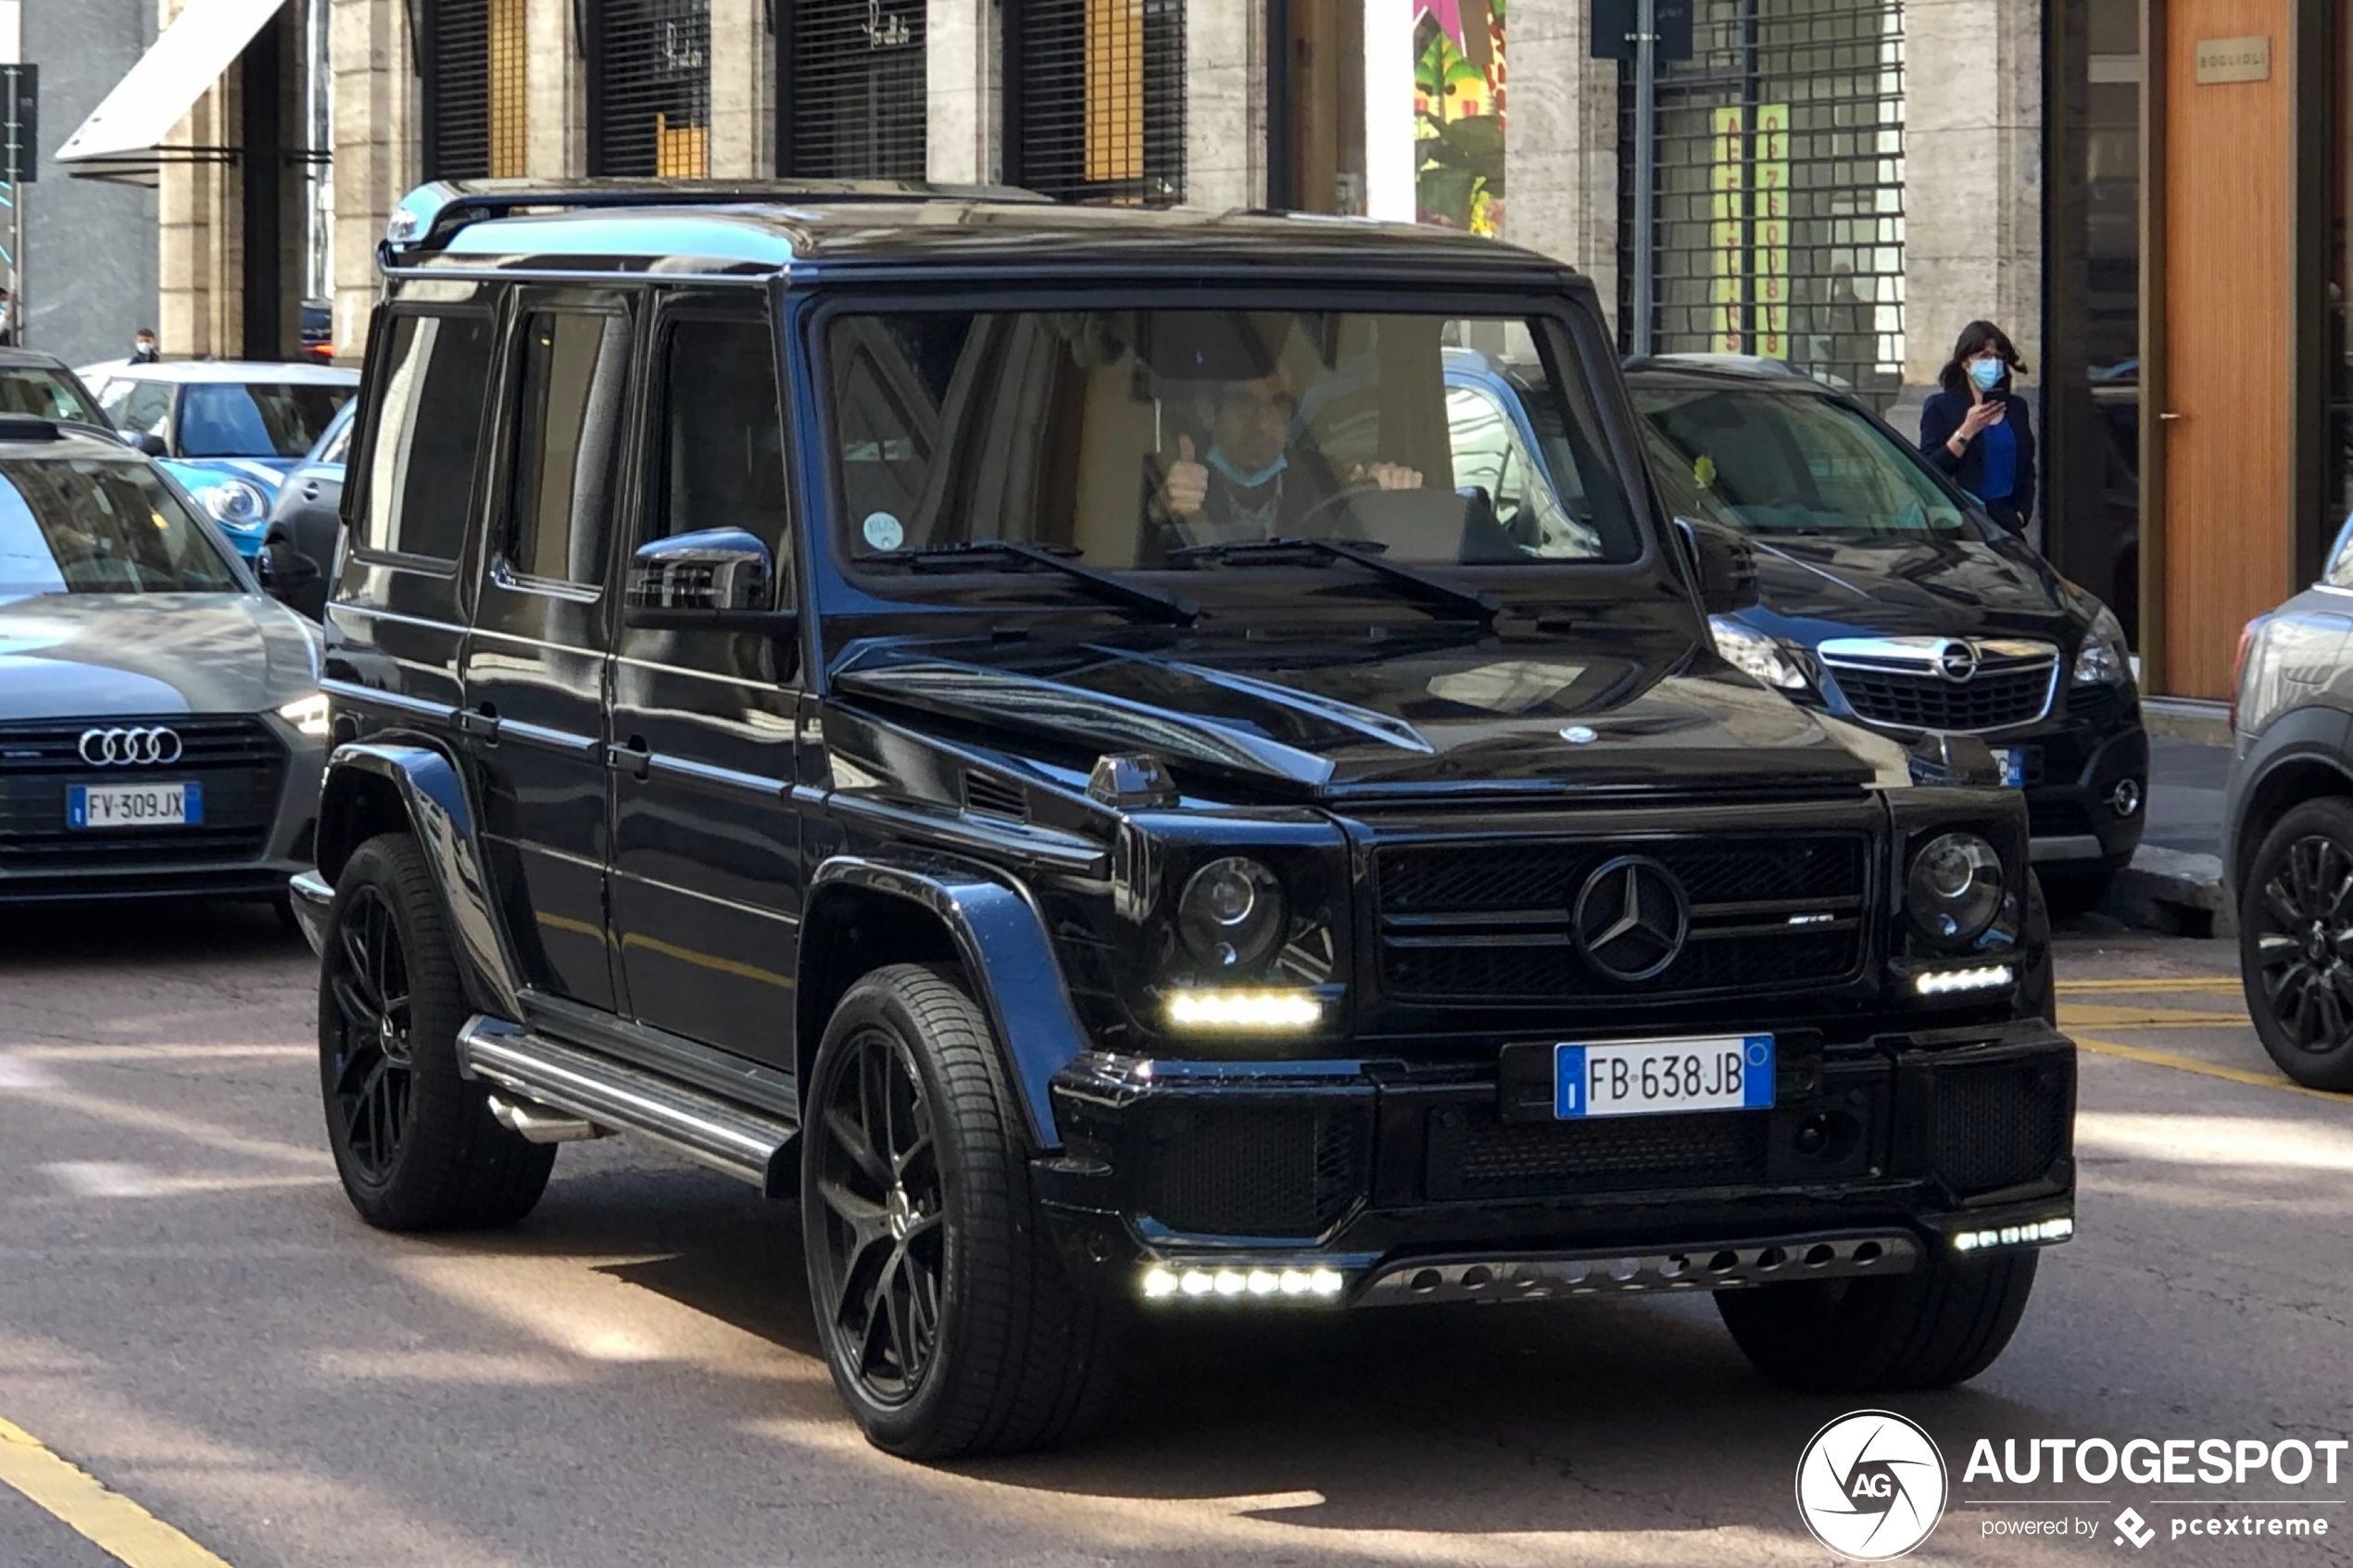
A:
x: 1105, y: 587
x: 1417, y: 583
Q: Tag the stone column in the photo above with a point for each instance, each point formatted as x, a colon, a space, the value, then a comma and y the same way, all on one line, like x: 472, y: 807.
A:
x: 1226, y: 63
x: 1972, y: 177
x: 1560, y: 143
x: 963, y: 140
x: 376, y: 155
x: 199, y: 243
x: 555, y: 93
x: 742, y: 113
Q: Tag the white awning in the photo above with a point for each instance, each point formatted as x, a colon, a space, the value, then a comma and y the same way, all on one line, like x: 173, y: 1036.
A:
x: 124, y: 138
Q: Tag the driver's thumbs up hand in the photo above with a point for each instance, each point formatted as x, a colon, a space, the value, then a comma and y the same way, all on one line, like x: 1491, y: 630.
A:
x: 1185, y: 487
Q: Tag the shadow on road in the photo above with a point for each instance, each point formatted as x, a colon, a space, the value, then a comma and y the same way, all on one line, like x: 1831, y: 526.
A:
x: 156, y: 931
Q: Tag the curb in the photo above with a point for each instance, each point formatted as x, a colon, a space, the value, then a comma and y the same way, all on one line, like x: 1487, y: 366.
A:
x: 2173, y: 892
x: 2178, y: 718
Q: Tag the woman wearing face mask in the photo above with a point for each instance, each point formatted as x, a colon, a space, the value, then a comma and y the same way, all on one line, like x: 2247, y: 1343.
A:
x: 1975, y: 429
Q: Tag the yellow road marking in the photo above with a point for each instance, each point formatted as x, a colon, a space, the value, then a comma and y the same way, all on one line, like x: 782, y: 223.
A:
x: 2209, y: 1068
x: 86, y: 1506
x: 2096, y: 1015
x: 2175, y: 983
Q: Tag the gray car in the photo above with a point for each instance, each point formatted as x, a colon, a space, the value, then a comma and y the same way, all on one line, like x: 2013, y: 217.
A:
x: 161, y: 731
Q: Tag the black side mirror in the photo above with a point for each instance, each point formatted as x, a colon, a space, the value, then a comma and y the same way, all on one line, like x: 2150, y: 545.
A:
x: 286, y: 574
x: 717, y: 579
x: 1722, y: 565
x: 148, y: 441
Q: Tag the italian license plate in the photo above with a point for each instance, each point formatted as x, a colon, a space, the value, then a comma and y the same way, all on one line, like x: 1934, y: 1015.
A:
x: 1651, y: 1077
x: 134, y: 805
x: 2013, y: 762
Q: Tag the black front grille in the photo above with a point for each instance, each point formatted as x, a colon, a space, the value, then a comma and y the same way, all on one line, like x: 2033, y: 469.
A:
x: 1245, y: 1170
x: 1490, y: 922
x: 2000, y: 1124
x: 1991, y: 699
x: 237, y: 760
x: 1474, y: 1153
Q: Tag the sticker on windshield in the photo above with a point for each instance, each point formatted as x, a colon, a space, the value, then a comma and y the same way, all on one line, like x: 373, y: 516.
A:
x: 883, y: 531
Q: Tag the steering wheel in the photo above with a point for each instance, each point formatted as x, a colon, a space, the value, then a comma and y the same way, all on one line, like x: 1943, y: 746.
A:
x: 1346, y: 493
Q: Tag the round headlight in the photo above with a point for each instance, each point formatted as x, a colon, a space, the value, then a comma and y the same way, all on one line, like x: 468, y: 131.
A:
x: 1955, y: 889
x: 236, y: 503
x: 1231, y: 913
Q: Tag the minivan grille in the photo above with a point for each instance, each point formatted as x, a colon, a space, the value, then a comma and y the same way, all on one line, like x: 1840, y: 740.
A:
x: 1489, y: 923
x: 2008, y: 688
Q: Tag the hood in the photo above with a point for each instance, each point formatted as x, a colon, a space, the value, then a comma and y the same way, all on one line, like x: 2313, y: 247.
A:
x: 1636, y: 714
x: 88, y: 656
x: 1811, y: 587
x: 197, y: 473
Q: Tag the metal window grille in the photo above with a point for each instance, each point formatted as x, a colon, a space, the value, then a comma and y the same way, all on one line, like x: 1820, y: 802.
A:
x: 649, y: 88
x: 472, y: 63
x: 1095, y: 99
x: 855, y: 104
x: 1780, y: 205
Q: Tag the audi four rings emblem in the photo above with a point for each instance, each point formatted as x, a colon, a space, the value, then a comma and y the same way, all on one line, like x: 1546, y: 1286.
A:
x: 142, y: 746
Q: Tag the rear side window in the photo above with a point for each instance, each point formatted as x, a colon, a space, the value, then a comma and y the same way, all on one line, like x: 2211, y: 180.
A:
x: 428, y: 436
x: 142, y: 407
x: 575, y: 370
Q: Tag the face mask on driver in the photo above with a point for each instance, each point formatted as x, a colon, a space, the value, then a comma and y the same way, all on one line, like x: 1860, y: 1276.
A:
x: 1224, y: 465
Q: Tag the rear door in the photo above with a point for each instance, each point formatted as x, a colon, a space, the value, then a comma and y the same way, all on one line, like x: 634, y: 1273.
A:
x: 535, y: 664
x: 707, y: 873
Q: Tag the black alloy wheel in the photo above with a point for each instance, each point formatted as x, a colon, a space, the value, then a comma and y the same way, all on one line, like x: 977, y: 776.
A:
x: 2295, y: 944
x: 884, y: 1261
x: 369, y: 1060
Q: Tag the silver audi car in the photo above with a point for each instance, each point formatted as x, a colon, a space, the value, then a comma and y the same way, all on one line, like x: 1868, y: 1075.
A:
x: 161, y: 730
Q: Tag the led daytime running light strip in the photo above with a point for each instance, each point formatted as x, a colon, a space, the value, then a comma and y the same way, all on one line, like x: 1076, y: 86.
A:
x: 2015, y: 1236
x: 1946, y: 982
x: 1204, y: 1008
x: 1161, y: 1283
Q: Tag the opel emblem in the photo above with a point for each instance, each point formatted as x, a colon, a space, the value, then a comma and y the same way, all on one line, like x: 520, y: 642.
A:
x: 1632, y: 919
x: 1579, y: 734
x: 1956, y: 661
x: 142, y: 745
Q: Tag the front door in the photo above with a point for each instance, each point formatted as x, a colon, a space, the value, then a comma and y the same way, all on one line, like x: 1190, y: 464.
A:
x: 707, y: 873
x: 2222, y: 415
x: 535, y: 665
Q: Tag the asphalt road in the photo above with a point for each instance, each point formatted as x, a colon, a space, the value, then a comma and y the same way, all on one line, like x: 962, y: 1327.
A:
x: 190, y: 1313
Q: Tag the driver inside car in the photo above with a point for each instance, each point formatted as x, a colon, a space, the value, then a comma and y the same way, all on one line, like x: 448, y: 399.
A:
x: 1259, y: 477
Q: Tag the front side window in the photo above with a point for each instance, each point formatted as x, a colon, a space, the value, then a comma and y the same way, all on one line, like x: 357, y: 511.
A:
x: 723, y: 452
x: 1150, y: 439
x: 142, y: 407
x: 44, y: 394
x: 1786, y: 463
x: 231, y: 420
x: 89, y: 526
x: 426, y: 444
x: 575, y: 370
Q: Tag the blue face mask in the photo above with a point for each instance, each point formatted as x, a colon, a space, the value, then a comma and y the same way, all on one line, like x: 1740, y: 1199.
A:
x: 1224, y: 465
x: 1986, y: 374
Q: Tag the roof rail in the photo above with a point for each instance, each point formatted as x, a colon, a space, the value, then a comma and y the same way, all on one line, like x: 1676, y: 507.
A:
x: 24, y: 427
x: 429, y: 215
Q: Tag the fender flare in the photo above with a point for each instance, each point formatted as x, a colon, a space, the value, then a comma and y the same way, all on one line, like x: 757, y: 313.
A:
x: 1004, y: 942
x: 2314, y: 734
x: 433, y: 795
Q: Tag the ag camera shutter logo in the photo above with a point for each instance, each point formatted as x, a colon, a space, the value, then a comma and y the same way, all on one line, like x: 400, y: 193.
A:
x: 1871, y: 1486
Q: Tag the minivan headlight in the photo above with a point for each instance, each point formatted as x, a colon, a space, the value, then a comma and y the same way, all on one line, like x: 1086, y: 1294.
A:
x: 1752, y: 653
x: 1953, y: 890
x: 2103, y: 660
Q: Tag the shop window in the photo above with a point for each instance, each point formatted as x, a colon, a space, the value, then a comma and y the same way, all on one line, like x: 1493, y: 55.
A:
x: 1779, y: 204
x: 472, y: 55
x: 855, y: 101
x: 1095, y: 98
x: 649, y: 88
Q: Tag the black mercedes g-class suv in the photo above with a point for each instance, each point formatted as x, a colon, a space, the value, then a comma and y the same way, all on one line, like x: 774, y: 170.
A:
x: 1050, y: 737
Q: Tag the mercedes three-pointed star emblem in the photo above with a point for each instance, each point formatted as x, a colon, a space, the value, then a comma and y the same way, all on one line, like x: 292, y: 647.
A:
x: 1632, y: 919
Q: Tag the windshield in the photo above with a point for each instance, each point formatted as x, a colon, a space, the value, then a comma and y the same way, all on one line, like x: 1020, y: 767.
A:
x: 46, y: 394
x: 87, y: 526
x: 1777, y: 463
x: 1149, y: 439
x: 256, y: 420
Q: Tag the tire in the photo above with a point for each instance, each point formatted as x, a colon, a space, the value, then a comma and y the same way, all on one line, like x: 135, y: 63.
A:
x: 415, y: 1144
x: 1007, y: 1354
x: 2299, y: 984
x: 1941, y: 1325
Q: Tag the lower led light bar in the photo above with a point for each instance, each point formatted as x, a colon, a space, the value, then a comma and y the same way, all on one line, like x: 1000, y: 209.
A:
x: 1952, y: 982
x: 1162, y: 1282
x: 2034, y: 1233
x: 1207, y: 1009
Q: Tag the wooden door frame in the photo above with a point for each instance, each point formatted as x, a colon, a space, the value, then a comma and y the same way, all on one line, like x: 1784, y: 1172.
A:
x: 2308, y: 37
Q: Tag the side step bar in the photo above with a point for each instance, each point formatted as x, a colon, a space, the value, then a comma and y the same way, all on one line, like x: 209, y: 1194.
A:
x: 606, y: 1095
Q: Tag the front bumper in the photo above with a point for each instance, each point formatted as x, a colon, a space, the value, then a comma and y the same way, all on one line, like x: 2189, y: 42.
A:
x: 1368, y: 1182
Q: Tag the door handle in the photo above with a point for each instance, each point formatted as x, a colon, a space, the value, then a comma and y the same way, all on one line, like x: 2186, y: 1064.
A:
x: 311, y: 491
x: 633, y: 758
x: 2169, y: 417
x: 479, y: 722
